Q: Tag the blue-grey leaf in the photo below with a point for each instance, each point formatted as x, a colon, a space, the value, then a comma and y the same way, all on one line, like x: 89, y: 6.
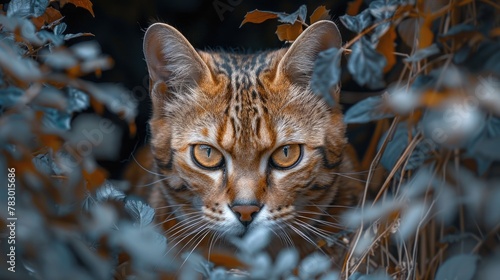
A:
x: 39, y: 7
x: 411, y: 218
x: 366, y: 65
x: 20, y: 8
x: 326, y: 73
x: 141, y: 213
x: 291, y: 18
x: 261, y: 266
x: 10, y: 96
x: 286, y: 261
x: 379, y: 31
x: 382, y: 9
x: 313, y: 265
x: 332, y: 275
x: 77, y: 100
x: 45, y: 164
x: 117, y: 99
x: 59, y: 59
x: 357, y: 23
x: 108, y: 192
x: 369, y: 109
x: 53, y: 118
x: 93, y: 135
x: 50, y: 97
x: 454, y: 124
x: 493, y: 205
x: 423, y: 53
x: 459, y: 267
x: 486, y: 58
x: 47, y: 36
x: 60, y: 28
x: 459, y: 28
x: 86, y: 50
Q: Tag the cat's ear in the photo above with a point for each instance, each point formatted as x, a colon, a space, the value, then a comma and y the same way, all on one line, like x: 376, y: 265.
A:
x: 298, y: 61
x: 171, y: 58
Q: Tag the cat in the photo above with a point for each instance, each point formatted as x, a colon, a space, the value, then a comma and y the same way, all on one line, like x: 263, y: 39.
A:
x: 240, y: 142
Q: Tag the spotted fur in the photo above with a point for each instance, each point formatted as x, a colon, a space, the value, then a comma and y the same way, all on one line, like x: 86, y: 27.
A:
x: 246, y: 106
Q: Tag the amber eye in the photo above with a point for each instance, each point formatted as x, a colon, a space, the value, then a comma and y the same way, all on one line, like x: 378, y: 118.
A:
x: 286, y: 156
x: 207, y: 156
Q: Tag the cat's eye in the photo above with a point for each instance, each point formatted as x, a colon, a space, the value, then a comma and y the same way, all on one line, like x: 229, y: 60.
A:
x: 207, y: 156
x: 286, y: 156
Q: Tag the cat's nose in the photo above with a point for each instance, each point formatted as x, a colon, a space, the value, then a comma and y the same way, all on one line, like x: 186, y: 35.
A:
x: 245, y: 212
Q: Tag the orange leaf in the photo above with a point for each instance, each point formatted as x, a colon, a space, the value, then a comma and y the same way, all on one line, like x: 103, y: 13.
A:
x: 319, y: 14
x: 94, y: 179
x: 386, y: 47
x: 353, y: 7
x: 426, y: 36
x: 49, y: 16
x: 132, y: 128
x: 257, y: 16
x: 86, y: 4
x: 289, y: 32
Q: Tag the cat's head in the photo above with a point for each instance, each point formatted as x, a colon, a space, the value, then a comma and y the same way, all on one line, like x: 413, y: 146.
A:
x: 240, y: 140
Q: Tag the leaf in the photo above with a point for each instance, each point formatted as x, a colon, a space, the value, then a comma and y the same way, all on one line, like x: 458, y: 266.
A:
x: 426, y: 36
x: 410, y: 219
x: 300, y: 14
x: 459, y: 267
x: 257, y: 16
x: 141, y: 213
x: 321, y: 13
x: 108, y: 192
x: 25, y: 8
x: 39, y: 7
x: 86, y: 4
x: 357, y: 23
x: 116, y: 98
x: 59, y: 59
x: 423, y: 53
x: 369, y: 109
x: 261, y: 266
x: 453, y: 124
x: 353, y: 7
x: 286, y: 261
x: 313, y: 265
x: 254, y: 241
x: 47, y: 36
x: 94, y: 136
x: 486, y: 58
x: 77, y: 100
x: 10, y: 96
x: 50, y: 97
x: 51, y: 15
x: 492, y: 206
x: 326, y: 73
x: 54, y: 118
x: 382, y: 9
x: 289, y: 32
x: 95, y: 178
x: 366, y: 64
x: 386, y: 47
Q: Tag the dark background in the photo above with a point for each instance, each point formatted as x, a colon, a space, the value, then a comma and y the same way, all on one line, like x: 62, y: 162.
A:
x: 119, y: 27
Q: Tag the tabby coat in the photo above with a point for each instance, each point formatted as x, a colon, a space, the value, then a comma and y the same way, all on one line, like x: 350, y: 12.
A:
x: 239, y: 142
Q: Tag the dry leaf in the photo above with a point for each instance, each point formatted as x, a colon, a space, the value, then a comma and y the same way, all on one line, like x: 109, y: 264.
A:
x: 86, y: 4
x: 289, y: 32
x: 320, y: 13
x: 353, y: 7
x: 426, y: 35
x: 386, y: 47
x: 49, y: 16
x: 95, y: 179
x: 257, y: 16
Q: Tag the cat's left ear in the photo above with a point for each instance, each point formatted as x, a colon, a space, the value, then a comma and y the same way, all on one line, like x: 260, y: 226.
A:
x: 298, y: 62
x: 171, y: 58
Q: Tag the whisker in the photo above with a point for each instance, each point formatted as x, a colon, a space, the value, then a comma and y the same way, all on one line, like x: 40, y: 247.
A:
x: 145, y: 169
x: 327, y: 223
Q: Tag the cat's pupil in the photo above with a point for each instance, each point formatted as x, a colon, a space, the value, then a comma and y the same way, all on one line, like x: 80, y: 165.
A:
x: 285, y: 151
x: 208, y: 150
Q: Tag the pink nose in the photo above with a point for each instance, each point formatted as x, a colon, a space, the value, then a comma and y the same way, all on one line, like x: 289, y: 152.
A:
x: 245, y: 212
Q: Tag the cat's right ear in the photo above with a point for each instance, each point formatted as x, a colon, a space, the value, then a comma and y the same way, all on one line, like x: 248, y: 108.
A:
x: 171, y: 58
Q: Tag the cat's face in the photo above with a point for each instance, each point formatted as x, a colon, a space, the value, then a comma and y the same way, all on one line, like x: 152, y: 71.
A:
x: 239, y: 140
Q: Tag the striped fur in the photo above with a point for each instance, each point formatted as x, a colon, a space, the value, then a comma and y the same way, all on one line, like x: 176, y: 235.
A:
x: 246, y: 106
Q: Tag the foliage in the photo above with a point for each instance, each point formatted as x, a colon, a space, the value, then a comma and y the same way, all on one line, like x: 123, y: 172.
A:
x: 435, y: 216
